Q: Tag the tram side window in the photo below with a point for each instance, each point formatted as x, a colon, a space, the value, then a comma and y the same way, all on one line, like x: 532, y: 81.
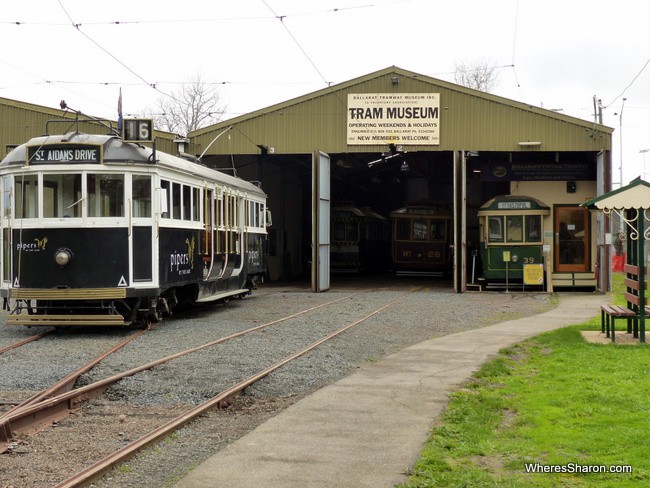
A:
x: 105, y: 195
x: 176, y: 201
x: 533, y: 228
x: 6, y: 196
x: 187, y: 203
x: 196, y: 204
x: 514, y: 228
x: 495, y: 229
x: 62, y: 196
x: 26, y: 197
x: 141, y: 196
x: 165, y: 186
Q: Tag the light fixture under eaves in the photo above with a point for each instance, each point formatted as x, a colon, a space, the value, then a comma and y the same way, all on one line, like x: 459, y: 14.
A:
x: 529, y: 143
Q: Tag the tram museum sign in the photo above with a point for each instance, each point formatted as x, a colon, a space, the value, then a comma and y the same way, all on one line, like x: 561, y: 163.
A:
x: 397, y: 118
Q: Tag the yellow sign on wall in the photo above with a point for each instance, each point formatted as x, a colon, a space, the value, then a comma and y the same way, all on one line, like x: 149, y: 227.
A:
x: 533, y: 274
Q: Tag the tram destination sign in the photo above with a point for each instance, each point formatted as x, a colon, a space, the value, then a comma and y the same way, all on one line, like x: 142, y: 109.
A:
x: 64, y: 154
x: 393, y: 118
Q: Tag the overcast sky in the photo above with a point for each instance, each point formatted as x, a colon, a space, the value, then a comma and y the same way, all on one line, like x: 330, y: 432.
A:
x: 554, y: 54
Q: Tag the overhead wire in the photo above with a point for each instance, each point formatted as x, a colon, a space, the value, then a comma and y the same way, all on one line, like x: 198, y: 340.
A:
x: 128, y: 68
x: 631, y: 83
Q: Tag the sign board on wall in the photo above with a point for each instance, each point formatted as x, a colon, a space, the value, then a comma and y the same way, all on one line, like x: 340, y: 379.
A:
x: 397, y: 118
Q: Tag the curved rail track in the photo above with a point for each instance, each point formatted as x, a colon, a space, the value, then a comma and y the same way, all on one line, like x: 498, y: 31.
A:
x: 59, y: 400
x: 102, y: 466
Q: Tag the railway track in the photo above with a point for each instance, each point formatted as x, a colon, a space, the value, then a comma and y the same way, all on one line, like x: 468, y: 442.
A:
x: 14, y: 422
x: 107, y: 463
x: 21, y: 343
x: 59, y: 400
x: 45, y: 408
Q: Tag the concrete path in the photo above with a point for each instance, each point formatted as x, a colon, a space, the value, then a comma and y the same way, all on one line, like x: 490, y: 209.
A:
x: 367, y: 429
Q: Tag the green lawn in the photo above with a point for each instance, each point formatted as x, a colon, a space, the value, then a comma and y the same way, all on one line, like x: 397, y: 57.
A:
x: 554, y: 402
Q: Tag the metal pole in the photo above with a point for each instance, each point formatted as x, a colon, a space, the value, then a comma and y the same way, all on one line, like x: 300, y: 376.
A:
x: 620, y: 133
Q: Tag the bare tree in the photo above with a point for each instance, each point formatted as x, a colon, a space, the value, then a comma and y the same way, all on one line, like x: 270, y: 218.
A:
x: 194, y: 105
x: 480, y: 75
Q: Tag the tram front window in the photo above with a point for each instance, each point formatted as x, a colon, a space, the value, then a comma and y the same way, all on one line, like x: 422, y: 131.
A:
x: 533, y: 228
x: 495, y: 229
x: 105, y: 195
x: 514, y: 228
x: 61, y: 196
x: 420, y: 230
x: 437, y: 230
x: 27, y: 197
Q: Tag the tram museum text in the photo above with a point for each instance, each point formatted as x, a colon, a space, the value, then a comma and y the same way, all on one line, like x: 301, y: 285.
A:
x: 373, y: 113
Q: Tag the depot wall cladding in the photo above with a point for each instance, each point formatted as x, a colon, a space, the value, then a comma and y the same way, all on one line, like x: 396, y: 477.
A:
x: 20, y: 121
x: 469, y: 120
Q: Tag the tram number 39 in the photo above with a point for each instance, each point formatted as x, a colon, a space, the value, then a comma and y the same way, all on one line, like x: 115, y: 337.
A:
x: 138, y: 130
x: 529, y: 260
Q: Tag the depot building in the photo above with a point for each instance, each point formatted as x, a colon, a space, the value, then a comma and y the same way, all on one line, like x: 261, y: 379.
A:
x: 425, y: 176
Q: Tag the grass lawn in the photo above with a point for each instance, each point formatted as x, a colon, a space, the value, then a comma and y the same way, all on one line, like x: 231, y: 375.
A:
x: 551, y: 402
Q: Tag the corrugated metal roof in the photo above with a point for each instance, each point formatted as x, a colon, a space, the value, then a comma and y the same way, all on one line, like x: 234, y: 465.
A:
x: 20, y: 121
x: 469, y: 120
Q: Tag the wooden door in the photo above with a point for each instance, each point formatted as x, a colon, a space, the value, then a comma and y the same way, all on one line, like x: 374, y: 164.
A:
x: 572, y: 239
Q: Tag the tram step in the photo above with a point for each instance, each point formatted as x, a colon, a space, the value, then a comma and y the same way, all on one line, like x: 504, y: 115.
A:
x: 226, y: 294
x: 59, y: 320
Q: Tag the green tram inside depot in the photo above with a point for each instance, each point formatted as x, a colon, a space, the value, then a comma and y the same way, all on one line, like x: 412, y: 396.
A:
x: 511, y: 239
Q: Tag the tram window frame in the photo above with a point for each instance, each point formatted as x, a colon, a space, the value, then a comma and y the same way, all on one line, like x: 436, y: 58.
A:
x: 495, y: 234
x: 165, y: 186
x: 102, y: 200
x: 26, y: 196
x: 141, y: 192
x: 420, y: 234
x: 62, y: 195
x: 186, y: 211
x: 438, y: 225
x: 533, y: 228
x: 7, y: 203
x: 515, y: 228
x: 402, y: 229
x: 176, y: 203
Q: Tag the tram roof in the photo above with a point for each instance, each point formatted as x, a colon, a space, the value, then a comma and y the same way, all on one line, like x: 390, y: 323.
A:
x: 513, y: 203
x: 117, y: 151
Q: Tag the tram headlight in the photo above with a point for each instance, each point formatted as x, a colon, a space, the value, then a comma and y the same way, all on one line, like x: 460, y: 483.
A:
x: 514, y: 258
x: 63, y: 257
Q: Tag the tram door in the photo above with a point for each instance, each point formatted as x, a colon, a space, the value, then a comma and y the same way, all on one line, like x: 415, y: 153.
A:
x: 572, y: 243
x: 208, y: 250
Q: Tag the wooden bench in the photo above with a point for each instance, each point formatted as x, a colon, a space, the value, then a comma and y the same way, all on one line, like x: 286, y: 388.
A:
x: 613, y: 312
x: 609, y: 313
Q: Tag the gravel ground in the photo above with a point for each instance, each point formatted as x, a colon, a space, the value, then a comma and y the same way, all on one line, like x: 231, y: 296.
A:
x: 421, y: 309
